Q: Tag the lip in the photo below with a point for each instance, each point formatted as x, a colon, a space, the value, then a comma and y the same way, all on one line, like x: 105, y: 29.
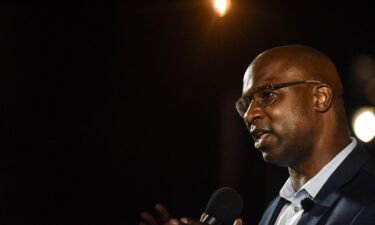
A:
x: 260, y: 139
x: 256, y: 133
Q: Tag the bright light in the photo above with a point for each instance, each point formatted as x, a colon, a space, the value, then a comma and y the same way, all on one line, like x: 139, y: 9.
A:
x: 221, y: 6
x: 364, y: 124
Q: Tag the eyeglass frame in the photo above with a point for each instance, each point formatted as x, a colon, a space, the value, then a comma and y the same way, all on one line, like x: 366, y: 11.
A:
x: 271, y: 88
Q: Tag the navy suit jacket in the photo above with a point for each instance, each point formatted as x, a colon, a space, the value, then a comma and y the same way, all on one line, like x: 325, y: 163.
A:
x: 347, y: 198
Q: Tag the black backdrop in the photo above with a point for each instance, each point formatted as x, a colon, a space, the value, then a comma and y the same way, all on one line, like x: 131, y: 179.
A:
x: 110, y: 107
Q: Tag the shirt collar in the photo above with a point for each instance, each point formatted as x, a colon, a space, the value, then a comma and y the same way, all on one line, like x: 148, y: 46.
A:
x: 313, y: 186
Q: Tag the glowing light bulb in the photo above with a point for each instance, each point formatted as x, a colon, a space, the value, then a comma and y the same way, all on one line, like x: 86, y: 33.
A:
x: 221, y: 6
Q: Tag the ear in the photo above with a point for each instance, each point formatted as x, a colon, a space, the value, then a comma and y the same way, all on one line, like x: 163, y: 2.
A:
x: 323, y: 96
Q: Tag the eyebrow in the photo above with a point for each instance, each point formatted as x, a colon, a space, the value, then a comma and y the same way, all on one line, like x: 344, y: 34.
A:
x: 264, y: 85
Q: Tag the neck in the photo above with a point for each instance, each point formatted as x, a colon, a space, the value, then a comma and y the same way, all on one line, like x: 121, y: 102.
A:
x: 297, y: 179
x: 324, y: 150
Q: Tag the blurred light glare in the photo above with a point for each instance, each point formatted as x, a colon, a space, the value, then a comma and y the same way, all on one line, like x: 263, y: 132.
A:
x: 221, y: 6
x: 364, y: 124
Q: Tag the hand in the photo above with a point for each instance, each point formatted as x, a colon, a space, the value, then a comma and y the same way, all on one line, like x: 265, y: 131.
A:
x: 164, y: 218
x: 189, y: 221
x: 238, y: 221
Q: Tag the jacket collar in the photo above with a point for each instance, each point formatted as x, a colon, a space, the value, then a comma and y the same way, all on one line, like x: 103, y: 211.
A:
x: 329, y: 193
x: 270, y: 215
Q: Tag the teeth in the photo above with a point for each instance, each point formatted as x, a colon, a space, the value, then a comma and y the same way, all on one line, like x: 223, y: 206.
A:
x: 252, y: 128
x: 257, y: 143
x: 259, y: 139
x: 260, y: 135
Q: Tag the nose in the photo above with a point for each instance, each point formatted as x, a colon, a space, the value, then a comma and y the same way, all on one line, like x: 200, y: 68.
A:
x: 253, y: 113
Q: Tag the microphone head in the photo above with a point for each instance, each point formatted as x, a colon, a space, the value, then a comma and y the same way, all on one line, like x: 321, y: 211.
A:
x: 225, y: 205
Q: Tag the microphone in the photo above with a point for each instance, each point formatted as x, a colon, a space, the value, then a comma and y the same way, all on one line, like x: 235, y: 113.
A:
x: 307, y: 204
x: 224, y: 206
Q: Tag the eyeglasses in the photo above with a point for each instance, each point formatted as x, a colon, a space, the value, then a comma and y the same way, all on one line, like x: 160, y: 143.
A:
x: 265, y: 95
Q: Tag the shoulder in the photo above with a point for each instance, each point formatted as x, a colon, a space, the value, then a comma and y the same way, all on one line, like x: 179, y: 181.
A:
x: 366, y: 215
x: 369, y: 167
x: 356, y: 201
x: 360, y: 189
x: 365, y: 175
x: 360, y: 192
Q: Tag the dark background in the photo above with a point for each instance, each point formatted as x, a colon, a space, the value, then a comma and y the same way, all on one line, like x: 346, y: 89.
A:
x: 108, y: 107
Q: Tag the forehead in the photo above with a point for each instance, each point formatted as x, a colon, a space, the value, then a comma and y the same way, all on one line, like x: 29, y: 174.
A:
x: 260, y: 73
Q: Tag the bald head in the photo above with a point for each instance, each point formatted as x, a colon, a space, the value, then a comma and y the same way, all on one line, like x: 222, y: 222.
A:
x: 292, y: 96
x: 299, y: 63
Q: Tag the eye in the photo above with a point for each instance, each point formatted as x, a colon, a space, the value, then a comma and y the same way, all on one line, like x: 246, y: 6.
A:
x: 265, y: 94
x: 265, y: 97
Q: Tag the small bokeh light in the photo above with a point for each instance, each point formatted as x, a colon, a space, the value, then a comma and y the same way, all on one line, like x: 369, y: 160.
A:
x: 221, y: 6
x: 364, y: 124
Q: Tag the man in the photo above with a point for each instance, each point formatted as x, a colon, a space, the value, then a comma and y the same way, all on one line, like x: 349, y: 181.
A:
x: 292, y: 105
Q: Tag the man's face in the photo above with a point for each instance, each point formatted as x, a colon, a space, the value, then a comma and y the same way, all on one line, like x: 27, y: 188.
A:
x: 282, y: 131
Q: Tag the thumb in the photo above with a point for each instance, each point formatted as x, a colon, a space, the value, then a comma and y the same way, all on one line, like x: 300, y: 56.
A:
x: 238, y: 221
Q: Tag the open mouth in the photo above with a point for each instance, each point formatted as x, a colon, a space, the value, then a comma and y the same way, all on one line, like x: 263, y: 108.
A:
x: 259, y: 135
x: 260, y: 139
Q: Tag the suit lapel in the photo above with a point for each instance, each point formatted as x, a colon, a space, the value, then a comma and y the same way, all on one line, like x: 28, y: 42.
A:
x: 319, y: 210
x: 329, y: 193
x: 273, y: 211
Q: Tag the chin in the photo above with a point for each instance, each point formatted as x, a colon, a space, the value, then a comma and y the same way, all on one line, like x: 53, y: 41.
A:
x: 272, y: 157
x: 269, y: 159
x: 267, y: 156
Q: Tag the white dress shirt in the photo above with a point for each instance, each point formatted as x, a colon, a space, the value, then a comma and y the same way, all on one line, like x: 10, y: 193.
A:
x: 291, y: 213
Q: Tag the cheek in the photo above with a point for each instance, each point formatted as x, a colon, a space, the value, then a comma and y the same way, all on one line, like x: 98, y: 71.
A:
x: 289, y: 121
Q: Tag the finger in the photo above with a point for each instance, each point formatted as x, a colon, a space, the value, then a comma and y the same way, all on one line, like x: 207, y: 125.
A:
x: 238, y: 221
x: 189, y: 221
x: 172, y: 222
x: 184, y: 220
x: 148, y: 218
x: 163, y: 212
